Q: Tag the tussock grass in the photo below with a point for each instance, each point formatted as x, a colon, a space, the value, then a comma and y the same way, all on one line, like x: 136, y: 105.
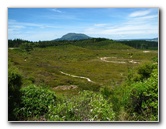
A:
x: 43, y: 65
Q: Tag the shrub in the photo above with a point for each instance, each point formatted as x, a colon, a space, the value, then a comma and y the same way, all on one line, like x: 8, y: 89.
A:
x: 35, y: 102
x: 155, y: 59
x: 137, y: 99
x: 142, y: 72
x: 26, y: 47
x: 142, y: 102
x: 106, y: 91
x: 14, y: 85
x: 87, y: 106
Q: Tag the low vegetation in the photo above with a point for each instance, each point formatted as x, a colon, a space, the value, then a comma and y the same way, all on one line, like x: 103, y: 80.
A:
x: 86, y: 106
x: 117, y: 91
x: 137, y: 98
x: 34, y: 102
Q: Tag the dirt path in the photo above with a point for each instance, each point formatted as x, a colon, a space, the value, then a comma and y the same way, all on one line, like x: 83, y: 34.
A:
x: 66, y: 87
x: 117, y: 61
x: 146, y: 51
x: 12, y: 48
x: 105, y: 60
x: 88, y: 79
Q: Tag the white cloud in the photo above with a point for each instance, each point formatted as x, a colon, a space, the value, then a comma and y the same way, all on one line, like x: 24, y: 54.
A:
x: 31, y: 31
x: 138, y: 24
x: 140, y: 30
x: 56, y: 10
x: 15, y: 25
x: 34, y: 35
x: 100, y: 25
x: 149, y: 17
x: 140, y: 13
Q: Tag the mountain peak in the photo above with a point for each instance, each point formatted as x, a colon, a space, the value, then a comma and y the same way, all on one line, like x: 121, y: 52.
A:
x: 74, y: 36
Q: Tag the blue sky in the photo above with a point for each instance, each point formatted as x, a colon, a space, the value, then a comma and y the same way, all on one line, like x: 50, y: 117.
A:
x: 36, y: 24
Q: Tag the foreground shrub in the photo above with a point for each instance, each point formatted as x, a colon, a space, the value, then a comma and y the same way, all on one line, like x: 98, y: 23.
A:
x: 35, y: 102
x: 143, y: 99
x: 14, y: 85
x: 137, y: 98
x: 87, y: 106
x: 142, y: 72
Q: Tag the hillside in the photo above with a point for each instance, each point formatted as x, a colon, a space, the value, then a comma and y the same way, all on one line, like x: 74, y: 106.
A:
x: 82, y: 80
x: 74, y: 36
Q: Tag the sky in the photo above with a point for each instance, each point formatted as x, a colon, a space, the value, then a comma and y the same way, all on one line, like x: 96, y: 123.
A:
x: 36, y: 24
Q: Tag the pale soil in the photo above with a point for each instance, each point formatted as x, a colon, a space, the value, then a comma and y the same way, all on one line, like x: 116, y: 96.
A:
x: 65, y: 87
x: 146, y: 51
x: 88, y: 79
x: 117, y: 61
x: 105, y: 60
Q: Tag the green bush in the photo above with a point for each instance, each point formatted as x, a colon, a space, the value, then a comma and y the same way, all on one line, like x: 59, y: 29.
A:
x: 87, y: 106
x: 142, y: 72
x: 142, y: 103
x: 155, y: 59
x: 137, y: 99
x: 14, y: 79
x: 26, y: 47
x: 14, y: 85
x: 35, y: 102
x: 106, y: 91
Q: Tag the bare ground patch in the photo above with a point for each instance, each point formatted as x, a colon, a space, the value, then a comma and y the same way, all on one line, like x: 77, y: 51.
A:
x: 146, y: 51
x: 88, y: 79
x: 65, y: 87
x: 117, y: 60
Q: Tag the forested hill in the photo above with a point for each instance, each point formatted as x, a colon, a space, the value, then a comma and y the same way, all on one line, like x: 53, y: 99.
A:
x: 141, y: 44
x: 91, y: 42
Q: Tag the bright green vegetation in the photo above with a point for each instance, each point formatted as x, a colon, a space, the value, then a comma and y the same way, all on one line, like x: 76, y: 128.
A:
x: 123, y: 86
x: 138, y: 95
x: 86, y: 106
x: 34, y: 102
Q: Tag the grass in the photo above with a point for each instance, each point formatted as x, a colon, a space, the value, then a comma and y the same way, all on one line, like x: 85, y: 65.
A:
x: 43, y: 65
x: 115, y: 90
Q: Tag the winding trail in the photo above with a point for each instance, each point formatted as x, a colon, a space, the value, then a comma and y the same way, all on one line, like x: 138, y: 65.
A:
x: 88, y: 79
x: 105, y: 60
x: 117, y: 61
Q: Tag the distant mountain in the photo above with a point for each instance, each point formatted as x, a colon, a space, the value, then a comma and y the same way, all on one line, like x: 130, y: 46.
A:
x: 74, y: 36
x: 155, y: 39
x: 152, y: 39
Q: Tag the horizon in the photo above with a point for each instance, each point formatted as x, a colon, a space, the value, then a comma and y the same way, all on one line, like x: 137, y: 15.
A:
x: 36, y: 24
x: 90, y: 37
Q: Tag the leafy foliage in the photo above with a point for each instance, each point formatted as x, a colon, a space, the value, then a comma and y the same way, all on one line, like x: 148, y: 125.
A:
x: 114, y: 95
x: 14, y: 85
x: 138, y: 97
x: 106, y: 91
x: 142, y: 72
x: 35, y: 102
x: 87, y: 106
x: 142, y: 103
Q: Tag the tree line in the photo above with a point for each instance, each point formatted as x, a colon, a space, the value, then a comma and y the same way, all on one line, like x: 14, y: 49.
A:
x: 27, y: 45
x: 141, y: 44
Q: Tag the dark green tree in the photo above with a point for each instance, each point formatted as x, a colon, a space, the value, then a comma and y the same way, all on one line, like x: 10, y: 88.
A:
x: 26, y: 47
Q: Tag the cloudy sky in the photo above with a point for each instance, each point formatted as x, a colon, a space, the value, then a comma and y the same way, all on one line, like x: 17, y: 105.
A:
x: 36, y: 24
